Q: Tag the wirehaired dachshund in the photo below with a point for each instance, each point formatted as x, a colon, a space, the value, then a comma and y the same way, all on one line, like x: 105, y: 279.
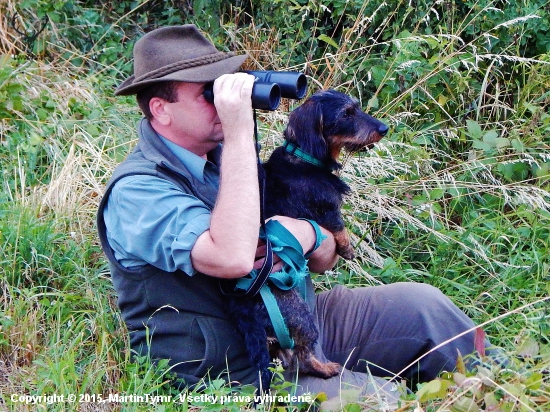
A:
x: 300, y: 183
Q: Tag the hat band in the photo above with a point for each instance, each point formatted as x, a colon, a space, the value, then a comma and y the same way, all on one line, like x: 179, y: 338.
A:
x: 186, y: 64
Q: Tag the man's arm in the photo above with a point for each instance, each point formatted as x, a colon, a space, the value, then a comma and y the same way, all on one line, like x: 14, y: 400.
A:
x: 323, y: 258
x: 228, y: 248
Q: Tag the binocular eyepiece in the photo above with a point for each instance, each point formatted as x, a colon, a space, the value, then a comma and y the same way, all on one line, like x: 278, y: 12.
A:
x: 269, y: 87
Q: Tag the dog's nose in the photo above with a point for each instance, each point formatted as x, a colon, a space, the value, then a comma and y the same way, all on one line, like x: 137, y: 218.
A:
x: 383, y: 129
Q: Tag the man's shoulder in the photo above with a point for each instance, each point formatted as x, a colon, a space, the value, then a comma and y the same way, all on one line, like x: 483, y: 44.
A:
x: 139, y: 181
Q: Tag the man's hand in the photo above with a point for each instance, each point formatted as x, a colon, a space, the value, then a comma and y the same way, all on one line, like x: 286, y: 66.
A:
x: 233, y: 101
x: 324, y: 258
x: 260, y: 258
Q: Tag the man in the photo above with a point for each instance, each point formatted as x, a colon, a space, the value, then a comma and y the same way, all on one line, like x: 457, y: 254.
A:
x: 182, y: 211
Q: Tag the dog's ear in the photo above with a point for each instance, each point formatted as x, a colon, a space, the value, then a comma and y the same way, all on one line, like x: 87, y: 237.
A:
x: 305, y: 128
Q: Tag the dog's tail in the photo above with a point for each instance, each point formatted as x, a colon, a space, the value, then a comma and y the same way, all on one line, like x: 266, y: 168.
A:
x: 247, y: 317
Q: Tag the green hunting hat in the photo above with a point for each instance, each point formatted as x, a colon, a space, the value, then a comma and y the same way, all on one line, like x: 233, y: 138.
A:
x: 177, y: 53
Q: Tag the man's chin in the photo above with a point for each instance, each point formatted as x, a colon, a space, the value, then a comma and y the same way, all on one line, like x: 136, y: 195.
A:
x: 217, y: 138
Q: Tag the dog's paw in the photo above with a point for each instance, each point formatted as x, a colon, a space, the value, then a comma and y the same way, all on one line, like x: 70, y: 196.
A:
x: 343, y: 244
x: 325, y: 370
x: 313, y: 366
x: 346, y: 252
x: 285, y: 357
x: 333, y: 369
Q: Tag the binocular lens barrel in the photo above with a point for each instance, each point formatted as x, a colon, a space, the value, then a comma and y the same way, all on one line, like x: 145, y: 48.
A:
x: 269, y: 87
x: 293, y: 84
x: 265, y: 96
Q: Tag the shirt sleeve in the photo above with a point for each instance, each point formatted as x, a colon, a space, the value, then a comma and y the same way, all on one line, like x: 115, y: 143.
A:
x: 151, y: 221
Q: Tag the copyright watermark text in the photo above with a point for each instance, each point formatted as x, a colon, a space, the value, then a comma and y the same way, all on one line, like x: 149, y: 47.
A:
x: 118, y: 398
x: 89, y: 398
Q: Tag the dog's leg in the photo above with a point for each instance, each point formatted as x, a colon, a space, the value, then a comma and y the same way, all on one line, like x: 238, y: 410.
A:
x: 302, y: 328
x: 276, y: 352
x: 306, y: 361
x: 343, y: 244
x: 309, y: 364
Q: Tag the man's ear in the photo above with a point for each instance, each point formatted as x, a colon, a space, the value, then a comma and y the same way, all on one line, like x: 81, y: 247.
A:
x: 157, y: 106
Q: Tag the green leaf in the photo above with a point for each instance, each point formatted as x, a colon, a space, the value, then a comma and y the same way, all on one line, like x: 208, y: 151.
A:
x: 474, y: 129
x: 435, y: 389
x: 42, y: 114
x: 490, y: 400
x: 534, y: 381
x: 217, y: 383
x: 92, y: 129
x: 515, y: 390
x: 352, y: 407
x: 424, y: 140
x: 35, y: 139
x: 435, y: 194
x: 528, y: 348
x: 464, y: 404
x: 378, y: 74
x: 518, y: 145
x: 478, y: 144
x: 502, y: 142
x: 372, y: 103
x: 327, y: 39
x: 490, y: 137
x: 486, y: 375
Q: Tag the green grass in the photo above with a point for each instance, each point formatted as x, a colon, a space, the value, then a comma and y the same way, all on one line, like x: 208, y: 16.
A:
x: 456, y: 196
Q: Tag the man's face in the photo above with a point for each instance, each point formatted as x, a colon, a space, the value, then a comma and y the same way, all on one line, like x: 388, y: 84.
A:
x: 195, y: 124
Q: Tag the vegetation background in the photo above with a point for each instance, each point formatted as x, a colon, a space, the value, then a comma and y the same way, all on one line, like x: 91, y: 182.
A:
x: 456, y: 196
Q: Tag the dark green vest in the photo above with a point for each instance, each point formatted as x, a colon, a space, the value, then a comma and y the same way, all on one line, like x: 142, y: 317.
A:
x: 185, y: 315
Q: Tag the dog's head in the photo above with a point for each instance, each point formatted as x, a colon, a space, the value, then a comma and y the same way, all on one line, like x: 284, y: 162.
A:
x: 329, y: 121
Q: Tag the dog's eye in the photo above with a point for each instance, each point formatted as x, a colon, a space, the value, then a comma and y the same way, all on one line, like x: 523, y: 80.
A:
x: 350, y: 111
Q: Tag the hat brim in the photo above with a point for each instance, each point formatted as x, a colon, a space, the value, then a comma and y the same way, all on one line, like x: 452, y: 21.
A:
x: 199, y: 74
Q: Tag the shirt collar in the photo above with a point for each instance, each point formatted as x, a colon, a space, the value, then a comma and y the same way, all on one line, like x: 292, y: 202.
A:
x: 194, y: 163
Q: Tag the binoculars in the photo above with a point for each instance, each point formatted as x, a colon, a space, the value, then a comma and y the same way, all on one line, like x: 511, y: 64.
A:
x: 269, y: 87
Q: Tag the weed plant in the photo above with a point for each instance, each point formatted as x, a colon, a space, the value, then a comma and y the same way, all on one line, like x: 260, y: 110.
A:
x: 456, y: 196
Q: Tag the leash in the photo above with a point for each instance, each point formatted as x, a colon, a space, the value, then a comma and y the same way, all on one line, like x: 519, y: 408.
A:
x: 292, y: 275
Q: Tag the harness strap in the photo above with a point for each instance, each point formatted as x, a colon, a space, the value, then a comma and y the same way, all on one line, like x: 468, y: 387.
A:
x: 292, y: 275
x: 277, y: 320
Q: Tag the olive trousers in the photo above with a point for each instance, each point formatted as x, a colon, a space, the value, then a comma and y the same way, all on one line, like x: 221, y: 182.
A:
x: 387, y: 331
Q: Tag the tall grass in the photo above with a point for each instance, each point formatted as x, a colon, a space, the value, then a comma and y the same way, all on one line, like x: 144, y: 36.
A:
x: 456, y: 196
